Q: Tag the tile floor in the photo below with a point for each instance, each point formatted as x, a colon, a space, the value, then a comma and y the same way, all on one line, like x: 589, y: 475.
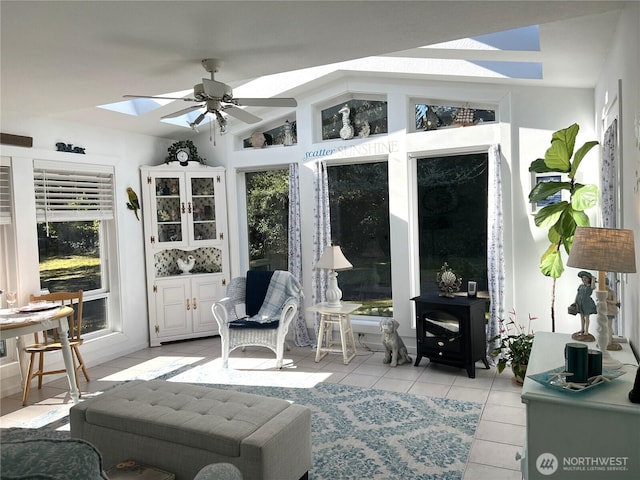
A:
x: 500, y: 433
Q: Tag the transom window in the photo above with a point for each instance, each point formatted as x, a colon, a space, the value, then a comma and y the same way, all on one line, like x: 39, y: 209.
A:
x: 438, y: 114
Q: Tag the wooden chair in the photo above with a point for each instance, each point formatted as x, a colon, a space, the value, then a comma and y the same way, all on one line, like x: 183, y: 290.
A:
x: 51, y: 343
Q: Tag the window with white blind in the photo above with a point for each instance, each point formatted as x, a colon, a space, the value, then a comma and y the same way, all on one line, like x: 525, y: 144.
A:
x: 5, y: 232
x: 73, y: 195
x: 5, y: 194
x: 75, y: 224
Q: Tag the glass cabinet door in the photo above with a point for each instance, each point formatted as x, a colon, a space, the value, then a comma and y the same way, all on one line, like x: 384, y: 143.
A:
x: 202, y: 207
x: 170, y: 208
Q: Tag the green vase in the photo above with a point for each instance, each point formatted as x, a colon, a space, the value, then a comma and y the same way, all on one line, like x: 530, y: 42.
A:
x: 519, y: 372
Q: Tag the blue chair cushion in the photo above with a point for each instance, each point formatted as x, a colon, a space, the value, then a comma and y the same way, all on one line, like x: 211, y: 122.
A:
x: 257, y: 286
x: 247, y: 323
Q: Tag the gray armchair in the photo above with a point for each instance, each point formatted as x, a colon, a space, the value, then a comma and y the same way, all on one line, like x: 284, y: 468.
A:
x: 29, y: 454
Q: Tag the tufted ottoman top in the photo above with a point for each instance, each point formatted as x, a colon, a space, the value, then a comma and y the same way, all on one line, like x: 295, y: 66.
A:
x: 192, y: 415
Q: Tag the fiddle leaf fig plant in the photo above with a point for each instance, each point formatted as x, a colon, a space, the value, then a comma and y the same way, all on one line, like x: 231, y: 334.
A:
x: 561, y: 218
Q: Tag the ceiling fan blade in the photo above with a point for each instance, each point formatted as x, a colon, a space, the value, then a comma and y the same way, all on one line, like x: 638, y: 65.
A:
x: 162, y: 98
x: 184, y: 111
x: 265, y: 102
x: 215, y: 89
x: 240, y: 114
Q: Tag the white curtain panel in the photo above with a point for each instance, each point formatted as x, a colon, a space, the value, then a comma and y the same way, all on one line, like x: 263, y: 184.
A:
x: 495, y: 246
x: 610, y: 197
x: 300, y: 331
x: 321, y: 232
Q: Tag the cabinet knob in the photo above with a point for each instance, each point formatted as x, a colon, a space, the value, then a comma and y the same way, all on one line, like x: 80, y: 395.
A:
x: 195, y: 305
x: 188, y: 305
x: 441, y: 344
x: 183, y: 209
x: 189, y: 207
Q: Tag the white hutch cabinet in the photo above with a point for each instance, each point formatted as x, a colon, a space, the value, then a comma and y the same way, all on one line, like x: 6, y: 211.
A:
x: 185, y: 215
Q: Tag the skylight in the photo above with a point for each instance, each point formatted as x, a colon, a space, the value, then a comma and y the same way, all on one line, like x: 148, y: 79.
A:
x: 140, y: 106
x: 525, y: 39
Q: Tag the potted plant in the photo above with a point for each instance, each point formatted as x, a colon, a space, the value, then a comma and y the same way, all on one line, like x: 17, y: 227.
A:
x: 561, y: 217
x: 514, y: 346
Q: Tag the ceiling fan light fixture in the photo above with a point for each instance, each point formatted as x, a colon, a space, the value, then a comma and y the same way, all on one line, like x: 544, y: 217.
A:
x: 222, y: 122
x: 197, y: 121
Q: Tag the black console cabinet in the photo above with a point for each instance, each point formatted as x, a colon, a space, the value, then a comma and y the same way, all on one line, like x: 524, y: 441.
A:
x: 451, y: 331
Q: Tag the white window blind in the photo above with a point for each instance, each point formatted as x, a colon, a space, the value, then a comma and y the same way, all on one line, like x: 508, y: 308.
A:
x: 5, y: 195
x: 73, y: 195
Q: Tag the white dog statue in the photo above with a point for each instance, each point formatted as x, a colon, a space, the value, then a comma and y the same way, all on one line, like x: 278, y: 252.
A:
x: 395, y: 352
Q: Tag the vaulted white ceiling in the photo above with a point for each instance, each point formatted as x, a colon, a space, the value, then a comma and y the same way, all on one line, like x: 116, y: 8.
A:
x: 62, y: 59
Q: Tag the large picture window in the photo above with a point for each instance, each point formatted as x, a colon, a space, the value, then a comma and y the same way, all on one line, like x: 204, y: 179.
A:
x: 7, y: 348
x: 268, y: 219
x: 452, y: 218
x: 74, y: 213
x: 359, y: 209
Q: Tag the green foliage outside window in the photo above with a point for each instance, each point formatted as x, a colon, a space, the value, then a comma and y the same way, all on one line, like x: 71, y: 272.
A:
x: 268, y: 218
x: 69, y: 261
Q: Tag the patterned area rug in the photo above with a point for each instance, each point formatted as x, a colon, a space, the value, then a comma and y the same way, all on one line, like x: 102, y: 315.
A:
x: 362, y: 433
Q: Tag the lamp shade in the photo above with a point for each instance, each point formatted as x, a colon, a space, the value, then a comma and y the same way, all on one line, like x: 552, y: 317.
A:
x: 333, y: 259
x: 603, y: 249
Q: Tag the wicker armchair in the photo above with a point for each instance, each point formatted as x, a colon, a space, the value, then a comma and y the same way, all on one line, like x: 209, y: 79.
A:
x: 241, y: 326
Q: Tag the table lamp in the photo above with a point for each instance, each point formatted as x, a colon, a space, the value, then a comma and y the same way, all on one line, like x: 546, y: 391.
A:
x: 604, y: 250
x: 333, y: 259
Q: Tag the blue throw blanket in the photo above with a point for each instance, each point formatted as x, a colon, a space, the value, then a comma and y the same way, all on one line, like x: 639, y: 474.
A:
x: 282, y: 287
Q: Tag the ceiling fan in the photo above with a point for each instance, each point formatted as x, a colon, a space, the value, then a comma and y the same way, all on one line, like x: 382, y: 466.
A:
x: 217, y: 97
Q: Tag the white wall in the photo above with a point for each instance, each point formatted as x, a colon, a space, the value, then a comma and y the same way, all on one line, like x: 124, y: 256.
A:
x: 126, y: 153
x: 528, y: 117
x: 623, y: 63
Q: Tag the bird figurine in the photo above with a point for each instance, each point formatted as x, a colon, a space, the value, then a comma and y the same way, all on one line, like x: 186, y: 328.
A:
x: 186, y: 265
x: 133, y: 203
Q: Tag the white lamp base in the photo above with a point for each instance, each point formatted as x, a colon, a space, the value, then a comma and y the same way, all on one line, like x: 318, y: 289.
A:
x: 603, y: 338
x: 334, y: 294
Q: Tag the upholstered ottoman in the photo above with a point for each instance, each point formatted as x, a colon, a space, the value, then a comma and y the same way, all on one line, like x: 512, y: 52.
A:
x: 183, y: 427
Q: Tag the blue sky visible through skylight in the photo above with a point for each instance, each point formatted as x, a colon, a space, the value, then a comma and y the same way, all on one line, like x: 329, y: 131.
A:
x: 525, y: 39
x: 519, y: 39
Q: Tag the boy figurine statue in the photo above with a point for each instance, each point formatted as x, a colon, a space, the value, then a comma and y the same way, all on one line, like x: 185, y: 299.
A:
x: 586, y: 306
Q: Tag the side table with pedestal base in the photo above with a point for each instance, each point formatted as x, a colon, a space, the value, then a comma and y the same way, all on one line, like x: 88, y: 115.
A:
x: 330, y: 316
